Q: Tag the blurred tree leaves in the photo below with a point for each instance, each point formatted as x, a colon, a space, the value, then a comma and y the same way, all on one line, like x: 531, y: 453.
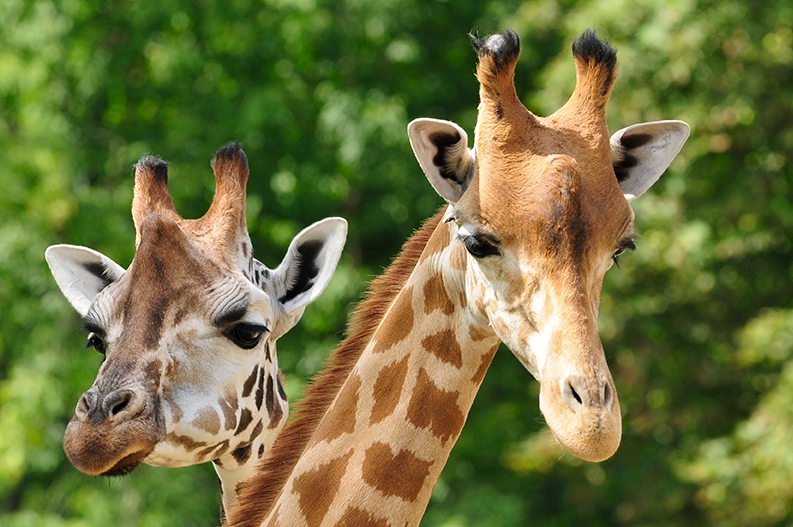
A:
x: 696, y: 324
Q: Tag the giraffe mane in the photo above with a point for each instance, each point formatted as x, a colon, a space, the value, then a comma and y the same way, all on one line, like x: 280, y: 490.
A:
x: 261, y: 492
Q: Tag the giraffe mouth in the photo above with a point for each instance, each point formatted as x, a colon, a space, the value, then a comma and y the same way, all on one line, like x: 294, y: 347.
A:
x: 127, y: 463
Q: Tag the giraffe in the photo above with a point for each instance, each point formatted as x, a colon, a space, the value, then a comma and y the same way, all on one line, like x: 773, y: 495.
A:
x: 188, y: 332
x: 536, y: 213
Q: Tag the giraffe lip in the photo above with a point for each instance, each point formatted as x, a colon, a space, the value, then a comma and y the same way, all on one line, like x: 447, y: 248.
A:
x: 127, y: 463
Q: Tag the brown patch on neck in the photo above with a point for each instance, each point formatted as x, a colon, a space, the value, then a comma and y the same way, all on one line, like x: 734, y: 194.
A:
x: 401, y: 475
x: 388, y: 389
x: 357, y: 518
x: 260, y: 494
x: 436, y: 296
x: 318, y: 487
x: 435, y: 409
x: 444, y: 345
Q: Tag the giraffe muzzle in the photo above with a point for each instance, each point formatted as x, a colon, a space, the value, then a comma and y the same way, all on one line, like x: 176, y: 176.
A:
x: 111, y: 433
x: 582, y: 412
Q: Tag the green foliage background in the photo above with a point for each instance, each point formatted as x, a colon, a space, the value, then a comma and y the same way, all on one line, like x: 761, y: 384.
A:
x: 697, y: 323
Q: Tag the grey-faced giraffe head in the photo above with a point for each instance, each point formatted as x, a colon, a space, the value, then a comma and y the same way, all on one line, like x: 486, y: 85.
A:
x: 542, y: 207
x: 188, y: 331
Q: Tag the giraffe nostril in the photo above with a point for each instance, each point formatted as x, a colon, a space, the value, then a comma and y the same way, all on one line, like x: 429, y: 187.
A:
x: 118, y: 403
x: 575, y: 394
x: 607, y: 396
x: 119, y: 407
x: 86, y: 403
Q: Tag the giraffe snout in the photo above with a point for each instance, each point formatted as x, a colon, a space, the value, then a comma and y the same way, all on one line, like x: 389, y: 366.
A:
x: 116, y: 406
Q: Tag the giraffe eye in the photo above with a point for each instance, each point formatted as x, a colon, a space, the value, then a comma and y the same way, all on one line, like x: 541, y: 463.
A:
x: 246, y: 336
x: 96, y: 342
x: 479, y: 247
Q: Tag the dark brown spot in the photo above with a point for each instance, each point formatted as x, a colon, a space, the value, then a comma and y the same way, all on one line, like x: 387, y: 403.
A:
x: 273, y: 405
x: 260, y: 390
x: 317, y: 488
x: 229, y: 406
x: 387, y: 390
x: 401, y: 475
x: 436, y: 296
x: 242, y: 454
x: 357, y: 518
x: 444, y: 346
x: 343, y: 410
x: 186, y: 442
x: 275, y: 419
x: 247, y: 386
x: 245, y: 419
x: 207, y: 419
x: 261, y: 450
x: 402, y: 313
x: 435, y: 409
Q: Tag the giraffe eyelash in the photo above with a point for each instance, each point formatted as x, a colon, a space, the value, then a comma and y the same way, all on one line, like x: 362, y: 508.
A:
x: 245, y: 335
x: 627, y: 245
x: 478, y: 247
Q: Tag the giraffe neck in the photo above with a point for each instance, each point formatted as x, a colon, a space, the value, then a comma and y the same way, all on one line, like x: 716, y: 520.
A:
x: 379, y: 450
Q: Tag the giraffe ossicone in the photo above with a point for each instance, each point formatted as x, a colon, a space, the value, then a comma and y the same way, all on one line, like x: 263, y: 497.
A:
x: 190, y: 372
x: 537, y: 212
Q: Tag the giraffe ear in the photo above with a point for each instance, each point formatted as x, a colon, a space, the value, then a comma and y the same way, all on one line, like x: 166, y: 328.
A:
x: 441, y: 148
x: 640, y: 153
x: 309, y: 263
x: 81, y: 273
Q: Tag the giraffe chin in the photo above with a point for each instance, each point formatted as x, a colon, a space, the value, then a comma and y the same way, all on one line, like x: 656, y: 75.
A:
x: 102, y: 463
x: 589, y: 446
x: 127, y: 464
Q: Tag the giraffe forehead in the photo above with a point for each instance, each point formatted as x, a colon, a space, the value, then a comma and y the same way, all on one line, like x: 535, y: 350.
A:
x: 547, y: 204
x: 526, y: 169
x: 172, y: 283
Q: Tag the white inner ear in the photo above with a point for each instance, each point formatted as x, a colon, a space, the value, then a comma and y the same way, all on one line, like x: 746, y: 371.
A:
x: 451, y: 172
x: 81, y: 273
x: 332, y: 234
x: 656, y: 145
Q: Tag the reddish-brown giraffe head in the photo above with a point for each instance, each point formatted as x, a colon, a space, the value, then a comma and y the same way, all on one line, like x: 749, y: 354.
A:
x: 188, y: 332
x: 537, y: 212
x: 541, y: 204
